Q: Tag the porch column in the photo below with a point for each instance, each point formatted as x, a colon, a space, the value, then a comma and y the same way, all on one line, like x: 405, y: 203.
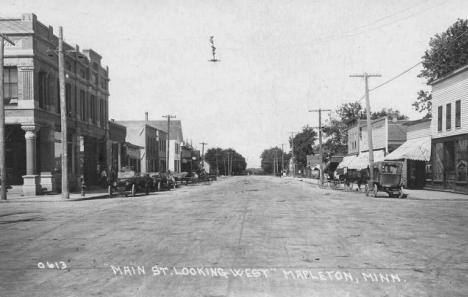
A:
x: 31, y: 180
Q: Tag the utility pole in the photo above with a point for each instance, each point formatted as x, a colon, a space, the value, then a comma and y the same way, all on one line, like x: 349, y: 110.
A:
x: 369, y: 127
x: 292, y: 157
x: 63, y: 117
x: 224, y: 162
x: 2, y: 120
x: 275, y: 162
x: 169, y: 117
x: 230, y: 165
x: 217, y: 169
x: 320, y: 140
x: 228, y: 169
x: 282, y: 159
x: 203, y: 153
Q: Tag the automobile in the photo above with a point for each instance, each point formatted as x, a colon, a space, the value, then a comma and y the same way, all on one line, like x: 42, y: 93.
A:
x: 162, y: 181
x: 387, y: 178
x: 129, y: 181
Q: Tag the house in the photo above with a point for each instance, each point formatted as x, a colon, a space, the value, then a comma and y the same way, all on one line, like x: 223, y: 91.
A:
x: 449, y: 129
x: 33, y: 112
x: 415, y: 153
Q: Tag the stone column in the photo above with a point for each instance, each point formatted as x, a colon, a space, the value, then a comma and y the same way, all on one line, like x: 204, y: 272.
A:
x: 47, y: 143
x: 31, y: 180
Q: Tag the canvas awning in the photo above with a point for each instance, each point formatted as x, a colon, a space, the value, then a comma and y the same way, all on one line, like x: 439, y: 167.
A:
x: 362, y: 161
x: 346, y: 161
x: 413, y: 149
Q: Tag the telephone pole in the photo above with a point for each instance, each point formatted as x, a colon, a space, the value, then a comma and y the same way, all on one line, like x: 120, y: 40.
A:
x: 369, y: 126
x: 217, y: 170
x: 229, y: 167
x: 63, y: 117
x: 292, y: 157
x: 320, y: 140
x: 2, y: 120
x: 282, y: 159
x: 203, y: 153
x: 169, y: 117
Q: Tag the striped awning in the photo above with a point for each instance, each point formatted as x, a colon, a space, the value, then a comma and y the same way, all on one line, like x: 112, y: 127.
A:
x: 362, y: 161
x: 346, y: 161
x: 413, y: 149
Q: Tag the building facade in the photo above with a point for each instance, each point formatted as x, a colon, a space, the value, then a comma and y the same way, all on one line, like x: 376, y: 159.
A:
x: 449, y: 129
x: 32, y: 108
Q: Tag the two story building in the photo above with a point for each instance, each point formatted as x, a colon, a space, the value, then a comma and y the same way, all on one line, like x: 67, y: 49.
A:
x: 32, y: 108
x: 449, y: 129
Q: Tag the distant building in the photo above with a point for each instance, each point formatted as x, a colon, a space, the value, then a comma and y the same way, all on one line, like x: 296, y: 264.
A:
x: 32, y: 108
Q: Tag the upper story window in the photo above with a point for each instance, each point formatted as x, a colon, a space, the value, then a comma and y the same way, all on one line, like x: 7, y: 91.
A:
x: 83, y: 105
x: 10, y: 85
x: 457, y: 113
x: 43, y: 88
x: 448, y: 117
x: 439, y: 118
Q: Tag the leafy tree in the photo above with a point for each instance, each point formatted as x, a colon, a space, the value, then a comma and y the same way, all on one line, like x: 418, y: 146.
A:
x: 221, y: 156
x: 448, y: 51
x: 268, y: 158
x: 303, y: 143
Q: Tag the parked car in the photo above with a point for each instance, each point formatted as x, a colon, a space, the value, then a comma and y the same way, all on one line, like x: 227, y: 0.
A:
x: 387, y: 178
x: 162, y: 181
x: 131, y: 182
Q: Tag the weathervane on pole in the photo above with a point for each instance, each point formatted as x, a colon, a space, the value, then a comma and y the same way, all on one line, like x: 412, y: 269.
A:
x: 214, y: 51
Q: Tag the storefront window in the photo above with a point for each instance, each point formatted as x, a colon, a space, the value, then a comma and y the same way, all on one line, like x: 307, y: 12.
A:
x: 461, y: 159
x: 439, y: 162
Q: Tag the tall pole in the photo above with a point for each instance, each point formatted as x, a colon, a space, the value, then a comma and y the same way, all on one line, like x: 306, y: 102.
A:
x: 217, y: 169
x: 169, y: 117
x: 320, y: 140
x: 203, y: 153
x: 224, y: 162
x: 2, y: 120
x: 232, y: 157
x: 282, y: 159
x: 369, y: 126
x: 63, y: 117
x: 292, y: 157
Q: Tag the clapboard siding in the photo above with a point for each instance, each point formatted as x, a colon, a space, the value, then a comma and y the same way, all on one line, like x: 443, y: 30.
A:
x: 418, y: 130
x: 449, y: 91
x: 379, y: 135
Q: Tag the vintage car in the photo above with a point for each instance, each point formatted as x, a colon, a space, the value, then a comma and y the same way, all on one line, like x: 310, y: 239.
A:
x: 162, y: 181
x: 129, y: 181
x: 387, y: 178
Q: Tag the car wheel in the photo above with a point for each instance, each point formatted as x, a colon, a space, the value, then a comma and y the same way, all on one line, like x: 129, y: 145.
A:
x: 375, y: 191
x: 133, y: 190
x: 109, y: 191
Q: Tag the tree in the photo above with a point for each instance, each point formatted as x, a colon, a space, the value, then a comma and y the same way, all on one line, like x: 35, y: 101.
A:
x: 448, y: 51
x: 268, y: 158
x: 238, y: 161
x: 303, y: 141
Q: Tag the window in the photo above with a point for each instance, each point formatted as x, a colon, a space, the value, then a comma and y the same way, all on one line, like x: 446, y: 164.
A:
x: 42, y: 89
x: 93, y: 108
x: 68, y: 99
x: 83, y: 105
x: 448, y: 117
x: 439, y: 118
x: 10, y: 85
x: 457, y: 113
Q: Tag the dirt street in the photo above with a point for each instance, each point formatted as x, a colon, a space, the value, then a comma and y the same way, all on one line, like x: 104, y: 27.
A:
x: 241, y: 236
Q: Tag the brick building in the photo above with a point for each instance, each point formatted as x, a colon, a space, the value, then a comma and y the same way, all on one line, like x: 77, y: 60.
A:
x: 32, y: 108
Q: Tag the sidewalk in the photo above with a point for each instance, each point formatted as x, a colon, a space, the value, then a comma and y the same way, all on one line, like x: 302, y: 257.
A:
x: 94, y: 194
x: 410, y: 194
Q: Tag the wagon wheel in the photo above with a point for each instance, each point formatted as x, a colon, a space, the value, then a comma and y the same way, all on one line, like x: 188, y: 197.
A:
x: 366, y: 189
x: 133, y: 190
x: 401, y: 192
x: 375, y: 191
x: 109, y: 191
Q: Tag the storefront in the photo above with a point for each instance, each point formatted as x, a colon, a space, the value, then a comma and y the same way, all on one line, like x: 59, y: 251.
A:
x: 449, y: 163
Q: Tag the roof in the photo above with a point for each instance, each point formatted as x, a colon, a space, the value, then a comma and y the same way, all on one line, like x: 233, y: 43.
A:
x: 453, y: 73
x: 417, y: 121
x: 413, y: 149
x: 362, y: 161
x: 175, y: 126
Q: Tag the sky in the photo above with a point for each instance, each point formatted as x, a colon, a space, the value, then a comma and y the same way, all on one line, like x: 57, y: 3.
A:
x: 278, y: 59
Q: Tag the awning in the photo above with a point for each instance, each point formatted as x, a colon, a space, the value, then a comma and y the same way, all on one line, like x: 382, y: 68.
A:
x: 346, y: 161
x: 413, y: 149
x: 362, y: 161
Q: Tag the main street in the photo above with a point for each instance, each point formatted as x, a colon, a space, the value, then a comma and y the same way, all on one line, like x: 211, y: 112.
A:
x: 241, y: 236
